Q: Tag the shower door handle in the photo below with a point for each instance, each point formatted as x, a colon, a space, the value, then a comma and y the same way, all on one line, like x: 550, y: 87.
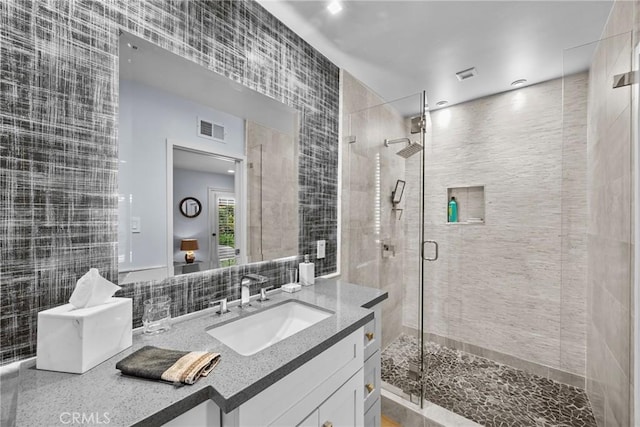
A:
x: 435, y: 257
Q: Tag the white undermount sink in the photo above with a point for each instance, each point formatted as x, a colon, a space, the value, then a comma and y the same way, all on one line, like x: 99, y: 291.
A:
x: 248, y: 335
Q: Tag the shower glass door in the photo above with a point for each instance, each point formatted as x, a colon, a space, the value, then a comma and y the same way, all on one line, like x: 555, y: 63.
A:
x: 382, y: 223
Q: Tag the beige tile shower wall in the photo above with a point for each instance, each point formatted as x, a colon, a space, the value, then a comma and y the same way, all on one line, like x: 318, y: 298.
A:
x: 573, y: 291
x: 369, y: 174
x: 609, y: 239
x: 273, y: 193
x: 498, y: 285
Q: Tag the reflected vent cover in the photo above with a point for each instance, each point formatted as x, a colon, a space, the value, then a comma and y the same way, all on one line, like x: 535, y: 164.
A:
x: 208, y: 129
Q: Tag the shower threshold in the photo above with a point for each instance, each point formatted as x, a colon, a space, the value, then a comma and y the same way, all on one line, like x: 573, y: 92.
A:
x: 403, y: 409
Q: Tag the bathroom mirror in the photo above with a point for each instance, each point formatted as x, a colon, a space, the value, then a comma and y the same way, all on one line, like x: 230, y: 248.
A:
x: 200, y: 157
x: 190, y: 207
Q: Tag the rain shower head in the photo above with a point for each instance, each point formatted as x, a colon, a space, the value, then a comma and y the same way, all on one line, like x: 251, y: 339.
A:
x: 408, y: 151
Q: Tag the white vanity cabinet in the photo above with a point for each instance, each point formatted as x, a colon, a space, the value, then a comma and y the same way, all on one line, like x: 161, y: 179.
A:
x: 339, y: 387
x: 328, y: 385
x: 205, y: 414
x: 325, y: 391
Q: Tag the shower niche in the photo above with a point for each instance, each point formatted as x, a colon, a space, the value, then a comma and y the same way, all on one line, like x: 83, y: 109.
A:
x: 470, y: 201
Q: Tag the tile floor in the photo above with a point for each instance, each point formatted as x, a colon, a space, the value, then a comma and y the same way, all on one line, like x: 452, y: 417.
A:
x: 485, y: 391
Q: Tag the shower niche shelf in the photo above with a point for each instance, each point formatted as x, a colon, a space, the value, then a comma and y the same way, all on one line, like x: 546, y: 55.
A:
x: 470, y: 201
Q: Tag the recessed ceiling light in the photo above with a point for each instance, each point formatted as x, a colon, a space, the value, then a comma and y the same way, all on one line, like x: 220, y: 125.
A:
x: 519, y: 82
x: 231, y: 171
x: 334, y: 7
x: 441, y: 103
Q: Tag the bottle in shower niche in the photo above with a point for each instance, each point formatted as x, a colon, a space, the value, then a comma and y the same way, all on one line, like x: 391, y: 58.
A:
x: 307, y: 272
x: 453, y: 210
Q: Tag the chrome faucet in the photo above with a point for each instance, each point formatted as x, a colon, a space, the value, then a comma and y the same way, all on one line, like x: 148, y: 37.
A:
x: 245, y: 292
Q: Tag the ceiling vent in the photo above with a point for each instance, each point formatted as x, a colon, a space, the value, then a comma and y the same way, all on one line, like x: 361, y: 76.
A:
x: 208, y: 129
x: 467, y: 74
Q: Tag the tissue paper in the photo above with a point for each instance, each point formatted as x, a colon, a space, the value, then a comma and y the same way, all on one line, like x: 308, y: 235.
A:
x: 92, y: 289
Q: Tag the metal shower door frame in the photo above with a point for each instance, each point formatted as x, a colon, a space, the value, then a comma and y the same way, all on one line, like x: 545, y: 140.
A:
x: 423, y: 240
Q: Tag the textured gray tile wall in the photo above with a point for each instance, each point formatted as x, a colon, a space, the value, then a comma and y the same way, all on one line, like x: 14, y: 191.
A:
x: 58, y: 147
x: 573, y: 292
x: 610, y: 226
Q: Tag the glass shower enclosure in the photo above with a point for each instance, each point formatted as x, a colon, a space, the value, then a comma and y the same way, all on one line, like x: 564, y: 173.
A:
x: 383, y: 217
x: 520, y: 313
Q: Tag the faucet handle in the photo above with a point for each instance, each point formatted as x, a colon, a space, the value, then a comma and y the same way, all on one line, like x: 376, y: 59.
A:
x: 257, y: 278
x: 263, y: 294
x: 223, y: 305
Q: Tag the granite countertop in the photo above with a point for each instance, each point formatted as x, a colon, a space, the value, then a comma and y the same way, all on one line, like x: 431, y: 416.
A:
x: 43, y: 396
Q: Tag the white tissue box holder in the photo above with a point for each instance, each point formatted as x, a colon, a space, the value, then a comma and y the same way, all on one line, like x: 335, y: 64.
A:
x: 77, y: 339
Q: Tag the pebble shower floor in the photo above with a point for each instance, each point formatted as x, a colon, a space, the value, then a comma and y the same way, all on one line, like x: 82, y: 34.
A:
x: 487, y: 392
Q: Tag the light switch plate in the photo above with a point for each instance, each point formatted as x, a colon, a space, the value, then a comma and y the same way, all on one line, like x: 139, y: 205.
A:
x: 135, y: 224
x: 322, y: 249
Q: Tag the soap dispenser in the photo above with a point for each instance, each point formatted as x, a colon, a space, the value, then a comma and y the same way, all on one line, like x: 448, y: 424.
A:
x: 307, y: 272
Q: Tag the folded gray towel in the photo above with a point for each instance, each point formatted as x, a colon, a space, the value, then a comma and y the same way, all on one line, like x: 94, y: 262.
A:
x: 168, y: 365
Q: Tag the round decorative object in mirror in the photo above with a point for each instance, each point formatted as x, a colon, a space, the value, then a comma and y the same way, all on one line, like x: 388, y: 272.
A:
x: 190, y: 207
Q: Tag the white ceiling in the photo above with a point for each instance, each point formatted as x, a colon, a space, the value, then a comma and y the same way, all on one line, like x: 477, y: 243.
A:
x: 399, y: 48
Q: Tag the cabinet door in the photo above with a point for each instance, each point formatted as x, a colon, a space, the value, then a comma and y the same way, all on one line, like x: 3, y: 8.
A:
x: 372, y: 418
x: 206, y: 414
x: 311, y: 420
x: 345, y: 408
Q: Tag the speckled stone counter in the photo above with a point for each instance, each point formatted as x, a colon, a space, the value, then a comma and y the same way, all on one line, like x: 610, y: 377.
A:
x: 46, y: 398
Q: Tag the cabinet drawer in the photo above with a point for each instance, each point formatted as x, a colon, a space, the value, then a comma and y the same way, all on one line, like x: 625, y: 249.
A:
x: 371, y: 380
x: 373, y: 416
x: 372, y: 333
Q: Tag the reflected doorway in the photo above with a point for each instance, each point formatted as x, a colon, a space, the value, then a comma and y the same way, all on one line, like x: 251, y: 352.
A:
x: 214, y: 181
x: 222, y: 225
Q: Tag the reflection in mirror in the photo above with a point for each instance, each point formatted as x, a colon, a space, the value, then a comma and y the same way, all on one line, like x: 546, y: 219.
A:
x: 190, y: 207
x: 188, y: 135
x: 209, y: 177
x: 272, y: 156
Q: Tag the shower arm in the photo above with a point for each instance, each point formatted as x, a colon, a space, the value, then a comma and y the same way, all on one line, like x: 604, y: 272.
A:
x: 388, y: 142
